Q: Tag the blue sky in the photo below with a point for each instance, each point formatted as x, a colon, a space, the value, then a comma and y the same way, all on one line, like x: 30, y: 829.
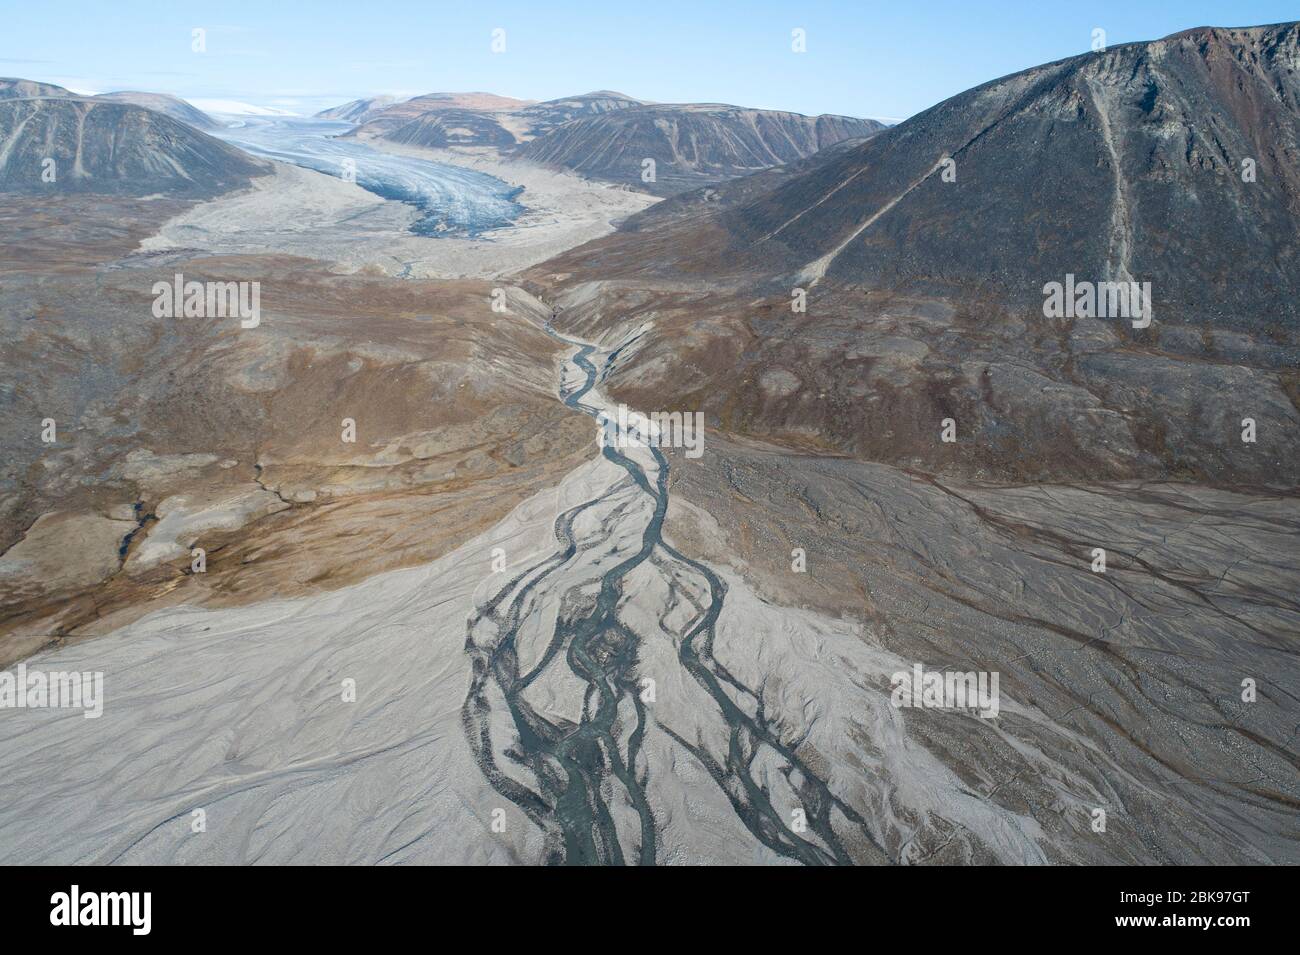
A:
x: 863, y: 58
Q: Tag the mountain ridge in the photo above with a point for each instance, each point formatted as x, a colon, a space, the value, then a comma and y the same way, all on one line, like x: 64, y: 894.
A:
x: 690, y: 143
x: 1122, y: 162
x: 164, y: 103
x: 96, y: 146
x: 856, y: 299
x: 609, y: 135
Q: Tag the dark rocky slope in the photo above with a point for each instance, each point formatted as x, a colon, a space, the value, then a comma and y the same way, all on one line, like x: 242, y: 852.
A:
x: 14, y: 88
x: 358, y: 110
x: 172, y: 106
x: 113, y: 149
x: 608, y: 135
x: 439, y: 129
x: 381, y: 119
x: 691, y: 144
x: 924, y: 297
x: 543, y: 117
x: 1121, y: 164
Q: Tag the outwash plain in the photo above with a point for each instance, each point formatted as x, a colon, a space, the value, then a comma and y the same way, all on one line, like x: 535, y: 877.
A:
x: 367, y: 581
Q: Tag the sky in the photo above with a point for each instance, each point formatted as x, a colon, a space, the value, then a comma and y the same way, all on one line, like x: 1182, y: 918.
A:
x: 863, y: 58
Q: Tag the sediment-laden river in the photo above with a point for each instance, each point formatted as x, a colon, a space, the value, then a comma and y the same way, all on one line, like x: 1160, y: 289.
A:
x: 584, y: 781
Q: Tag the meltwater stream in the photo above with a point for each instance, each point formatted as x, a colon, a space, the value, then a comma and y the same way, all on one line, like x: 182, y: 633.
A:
x: 578, y: 779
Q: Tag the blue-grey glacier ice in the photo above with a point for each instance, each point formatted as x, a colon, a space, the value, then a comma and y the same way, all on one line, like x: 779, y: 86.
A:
x: 453, y: 200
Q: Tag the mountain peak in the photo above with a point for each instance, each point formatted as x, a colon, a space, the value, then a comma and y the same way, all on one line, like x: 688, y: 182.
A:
x: 1153, y: 161
x: 113, y: 148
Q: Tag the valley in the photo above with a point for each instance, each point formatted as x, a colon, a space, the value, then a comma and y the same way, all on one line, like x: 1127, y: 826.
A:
x: 366, y: 581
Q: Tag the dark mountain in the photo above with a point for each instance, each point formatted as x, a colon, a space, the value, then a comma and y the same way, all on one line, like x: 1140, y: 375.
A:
x: 358, y: 110
x: 13, y: 88
x: 479, y: 119
x: 925, y: 297
x: 487, y: 102
x: 608, y: 135
x: 543, y: 117
x: 688, y: 207
x: 453, y: 127
x: 482, y: 123
x: 381, y: 120
x: 113, y: 148
x: 1126, y: 163
x: 691, y: 144
x: 172, y: 106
